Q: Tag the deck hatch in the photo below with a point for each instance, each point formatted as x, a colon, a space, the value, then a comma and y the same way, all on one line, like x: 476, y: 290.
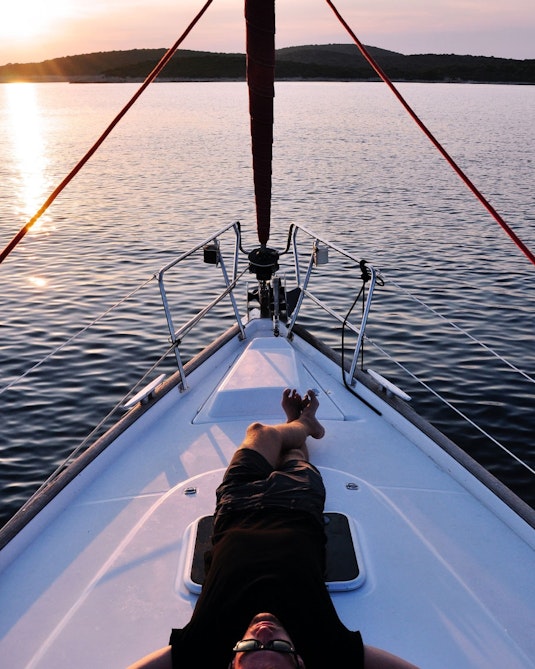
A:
x: 344, y: 561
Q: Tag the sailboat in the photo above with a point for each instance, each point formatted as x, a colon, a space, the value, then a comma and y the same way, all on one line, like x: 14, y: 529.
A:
x: 429, y: 555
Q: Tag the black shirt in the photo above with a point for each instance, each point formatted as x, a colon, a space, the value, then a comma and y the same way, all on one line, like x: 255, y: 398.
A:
x: 272, y: 561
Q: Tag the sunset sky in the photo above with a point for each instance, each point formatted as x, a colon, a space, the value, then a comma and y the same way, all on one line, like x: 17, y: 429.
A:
x: 34, y: 30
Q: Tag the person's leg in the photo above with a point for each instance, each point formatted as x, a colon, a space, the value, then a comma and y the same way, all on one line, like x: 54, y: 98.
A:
x: 286, y: 441
x: 292, y: 404
x: 278, y: 473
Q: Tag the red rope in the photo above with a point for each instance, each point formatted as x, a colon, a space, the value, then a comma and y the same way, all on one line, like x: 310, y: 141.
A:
x: 527, y: 252
x: 150, y: 78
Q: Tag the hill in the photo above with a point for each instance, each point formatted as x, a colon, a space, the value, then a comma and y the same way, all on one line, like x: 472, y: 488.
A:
x: 320, y: 62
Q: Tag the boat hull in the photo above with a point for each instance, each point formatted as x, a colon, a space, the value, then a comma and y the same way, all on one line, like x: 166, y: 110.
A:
x: 98, y: 576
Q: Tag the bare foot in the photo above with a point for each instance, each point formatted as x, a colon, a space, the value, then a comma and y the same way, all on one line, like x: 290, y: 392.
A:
x: 310, y: 405
x: 292, y: 404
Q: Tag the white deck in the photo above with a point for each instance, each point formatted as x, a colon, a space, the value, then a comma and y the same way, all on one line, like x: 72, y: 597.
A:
x: 447, y: 583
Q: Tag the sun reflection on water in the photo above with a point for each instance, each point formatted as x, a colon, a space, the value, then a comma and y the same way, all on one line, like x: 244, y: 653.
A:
x: 29, y: 155
x: 37, y: 281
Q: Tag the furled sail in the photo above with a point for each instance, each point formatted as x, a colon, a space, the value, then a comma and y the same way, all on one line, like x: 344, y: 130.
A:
x: 260, y: 48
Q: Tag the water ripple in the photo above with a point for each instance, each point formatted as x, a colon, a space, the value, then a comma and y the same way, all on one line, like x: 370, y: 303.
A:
x: 179, y: 167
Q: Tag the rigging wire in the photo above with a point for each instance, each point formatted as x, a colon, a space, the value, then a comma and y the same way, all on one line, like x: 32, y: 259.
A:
x: 82, y: 445
x: 75, y: 336
x: 380, y: 72
x: 150, y: 78
x: 131, y: 392
x: 457, y: 327
x: 421, y: 381
x: 450, y: 405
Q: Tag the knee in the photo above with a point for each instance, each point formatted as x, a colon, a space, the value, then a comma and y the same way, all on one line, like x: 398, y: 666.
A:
x: 254, y: 428
x: 258, y: 432
x: 266, y: 440
x: 255, y: 431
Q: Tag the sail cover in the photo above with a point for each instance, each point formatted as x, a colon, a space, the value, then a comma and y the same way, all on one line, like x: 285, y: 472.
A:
x: 260, y: 49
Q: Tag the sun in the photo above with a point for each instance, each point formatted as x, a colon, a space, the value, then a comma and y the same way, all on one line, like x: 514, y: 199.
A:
x: 23, y: 19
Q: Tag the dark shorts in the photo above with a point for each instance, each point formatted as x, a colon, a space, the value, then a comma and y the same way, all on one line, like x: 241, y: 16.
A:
x: 251, y: 484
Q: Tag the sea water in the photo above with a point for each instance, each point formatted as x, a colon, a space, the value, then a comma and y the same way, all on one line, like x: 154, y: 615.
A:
x: 348, y: 164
